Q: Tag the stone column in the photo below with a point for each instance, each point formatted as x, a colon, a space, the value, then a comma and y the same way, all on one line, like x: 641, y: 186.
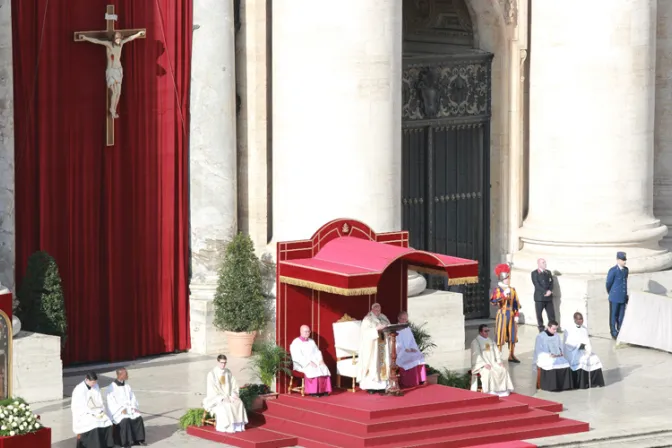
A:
x: 212, y: 161
x: 662, y: 192
x: 336, y: 114
x: 591, y: 144
x: 7, y: 257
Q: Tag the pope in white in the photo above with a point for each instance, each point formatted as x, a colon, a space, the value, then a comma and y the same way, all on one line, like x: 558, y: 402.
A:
x: 410, y: 360
x: 222, y: 399
x: 307, y: 359
x: 373, y: 365
x: 586, y: 365
x: 486, y: 362
x: 122, y: 407
x: 90, y: 422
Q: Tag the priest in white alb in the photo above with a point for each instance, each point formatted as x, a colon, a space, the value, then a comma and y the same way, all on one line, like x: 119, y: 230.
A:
x: 486, y: 362
x: 586, y: 366
x: 373, y: 364
x: 307, y: 359
x: 410, y: 360
x: 550, y: 364
x: 90, y: 422
x: 222, y: 399
x: 123, y: 409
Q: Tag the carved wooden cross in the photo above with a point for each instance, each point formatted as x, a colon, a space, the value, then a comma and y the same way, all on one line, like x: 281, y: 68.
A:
x: 108, y: 34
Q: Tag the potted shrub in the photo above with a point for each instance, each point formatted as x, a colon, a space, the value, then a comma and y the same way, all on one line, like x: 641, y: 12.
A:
x: 20, y: 427
x: 253, y: 395
x: 425, y: 345
x: 268, y: 361
x: 240, y: 305
x: 41, y: 302
x: 193, y: 417
x: 432, y: 375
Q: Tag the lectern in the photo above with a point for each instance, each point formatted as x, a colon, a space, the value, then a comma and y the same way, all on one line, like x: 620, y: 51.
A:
x: 391, y: 336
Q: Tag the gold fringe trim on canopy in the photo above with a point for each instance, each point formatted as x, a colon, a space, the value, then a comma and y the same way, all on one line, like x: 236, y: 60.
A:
x: 462, y: 281
x: 327, y: 288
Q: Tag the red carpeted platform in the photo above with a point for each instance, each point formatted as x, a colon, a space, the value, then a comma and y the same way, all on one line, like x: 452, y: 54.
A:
x: 429, y: 416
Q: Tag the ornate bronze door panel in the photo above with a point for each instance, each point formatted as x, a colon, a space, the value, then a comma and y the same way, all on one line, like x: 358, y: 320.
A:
x: 446, y: 163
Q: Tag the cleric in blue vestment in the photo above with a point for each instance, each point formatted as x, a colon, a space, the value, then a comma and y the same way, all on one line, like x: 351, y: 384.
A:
x: 617, y: 288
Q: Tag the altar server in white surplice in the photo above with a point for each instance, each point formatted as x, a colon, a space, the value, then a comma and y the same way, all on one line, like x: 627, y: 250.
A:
x: 586, y: 366
x: 124, y: 411
x: 222, y: 399
x: 487, y: 362
x: 89, y: 419
x: 410, y: 360
x: 307, y: 359
x: 555, y: 374
x: 373, y: 364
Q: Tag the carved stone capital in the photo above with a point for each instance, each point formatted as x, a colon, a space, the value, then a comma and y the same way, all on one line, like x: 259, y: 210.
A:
x: 510, y: 9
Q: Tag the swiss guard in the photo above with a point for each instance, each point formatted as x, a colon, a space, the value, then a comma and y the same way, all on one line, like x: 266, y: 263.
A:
x: 506, y: 298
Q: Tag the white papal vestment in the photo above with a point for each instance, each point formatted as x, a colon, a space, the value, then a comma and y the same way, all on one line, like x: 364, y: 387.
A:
x: 223, y: 402
x: 303, y: 353
x: 496, y: 380
x: 373, y: 365
x: 408, y: 359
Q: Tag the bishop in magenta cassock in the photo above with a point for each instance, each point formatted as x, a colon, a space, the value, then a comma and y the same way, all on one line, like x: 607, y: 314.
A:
x: 410, y: 360
x: 308, y: 360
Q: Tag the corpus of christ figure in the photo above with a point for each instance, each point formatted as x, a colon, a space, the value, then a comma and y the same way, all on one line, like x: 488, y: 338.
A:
x: 114, y: 73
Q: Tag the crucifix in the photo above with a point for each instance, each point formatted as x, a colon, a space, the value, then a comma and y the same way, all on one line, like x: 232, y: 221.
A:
x: 113, y: 40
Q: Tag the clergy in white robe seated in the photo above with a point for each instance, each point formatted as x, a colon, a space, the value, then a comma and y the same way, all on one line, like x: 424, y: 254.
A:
x: 487, y: 363
x: 586, y: 366
x: 307, y: 359
x: 90, y: 422
x: 373, y: 364
x: 123, y: 408
x: 410, y: 360
x: 555, y: 374
x: 222, y: 399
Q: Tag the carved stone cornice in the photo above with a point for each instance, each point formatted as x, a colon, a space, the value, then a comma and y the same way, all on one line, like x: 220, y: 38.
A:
x: 510, y: 10
x: 446, y: 89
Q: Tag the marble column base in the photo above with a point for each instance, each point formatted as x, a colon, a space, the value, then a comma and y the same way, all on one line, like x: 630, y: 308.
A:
x: 444, y: 313
x: 205, y: 338
x: 37, y: 367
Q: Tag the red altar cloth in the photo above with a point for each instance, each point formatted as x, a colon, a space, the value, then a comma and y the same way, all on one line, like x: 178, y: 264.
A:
x: 6, y: 304
x: 342, y: 270
x: 38, y: 439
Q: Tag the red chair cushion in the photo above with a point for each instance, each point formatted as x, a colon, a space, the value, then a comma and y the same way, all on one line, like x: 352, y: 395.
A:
x: 297, y: 374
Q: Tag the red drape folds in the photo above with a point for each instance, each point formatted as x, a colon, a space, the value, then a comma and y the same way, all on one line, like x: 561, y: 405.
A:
x: 115, y: 218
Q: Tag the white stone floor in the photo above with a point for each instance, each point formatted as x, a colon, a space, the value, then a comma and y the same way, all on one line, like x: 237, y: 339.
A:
x: 636, y: 401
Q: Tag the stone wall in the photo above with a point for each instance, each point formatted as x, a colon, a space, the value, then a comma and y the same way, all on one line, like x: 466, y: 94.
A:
x: 662, y: 168
x: 7, y: 259
x: 37, y: 367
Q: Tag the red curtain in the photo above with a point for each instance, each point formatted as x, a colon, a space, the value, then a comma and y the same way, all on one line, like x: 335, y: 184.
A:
x: 115, y: 218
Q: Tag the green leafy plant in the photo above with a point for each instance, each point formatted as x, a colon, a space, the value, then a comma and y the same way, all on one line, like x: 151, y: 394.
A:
x: 240, y: 305
x: 249, y: 392
x: 16, y: 418
x: 422, y: 338
x: 454, y: 379
x: 41, y: 301
x: 268, y: 360
x: 193, y: 417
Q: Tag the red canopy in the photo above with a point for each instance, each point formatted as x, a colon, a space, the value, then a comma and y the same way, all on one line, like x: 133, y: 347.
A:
x: 353, y: 266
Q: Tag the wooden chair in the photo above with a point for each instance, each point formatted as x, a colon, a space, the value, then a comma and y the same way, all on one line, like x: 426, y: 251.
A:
x: 205, y: 421
x: 538, y: 378
x: 346, y: 342
x: 302, y: 388
x: 475, y: 382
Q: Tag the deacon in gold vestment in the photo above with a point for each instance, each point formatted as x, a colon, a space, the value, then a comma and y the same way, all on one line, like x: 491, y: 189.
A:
x: 222, y: 399
x: 373, y: 365
x: 486, y: 362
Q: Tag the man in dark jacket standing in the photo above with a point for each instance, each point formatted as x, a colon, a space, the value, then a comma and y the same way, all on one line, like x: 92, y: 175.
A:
x: 617, y: 288
x: 542, y: 279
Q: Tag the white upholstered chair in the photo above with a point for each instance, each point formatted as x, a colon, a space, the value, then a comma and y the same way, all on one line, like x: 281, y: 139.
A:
x: 346, y: 342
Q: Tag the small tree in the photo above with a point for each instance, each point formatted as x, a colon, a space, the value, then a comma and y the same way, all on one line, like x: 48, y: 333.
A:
x: 41, y: 301
x: 240, y: 305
